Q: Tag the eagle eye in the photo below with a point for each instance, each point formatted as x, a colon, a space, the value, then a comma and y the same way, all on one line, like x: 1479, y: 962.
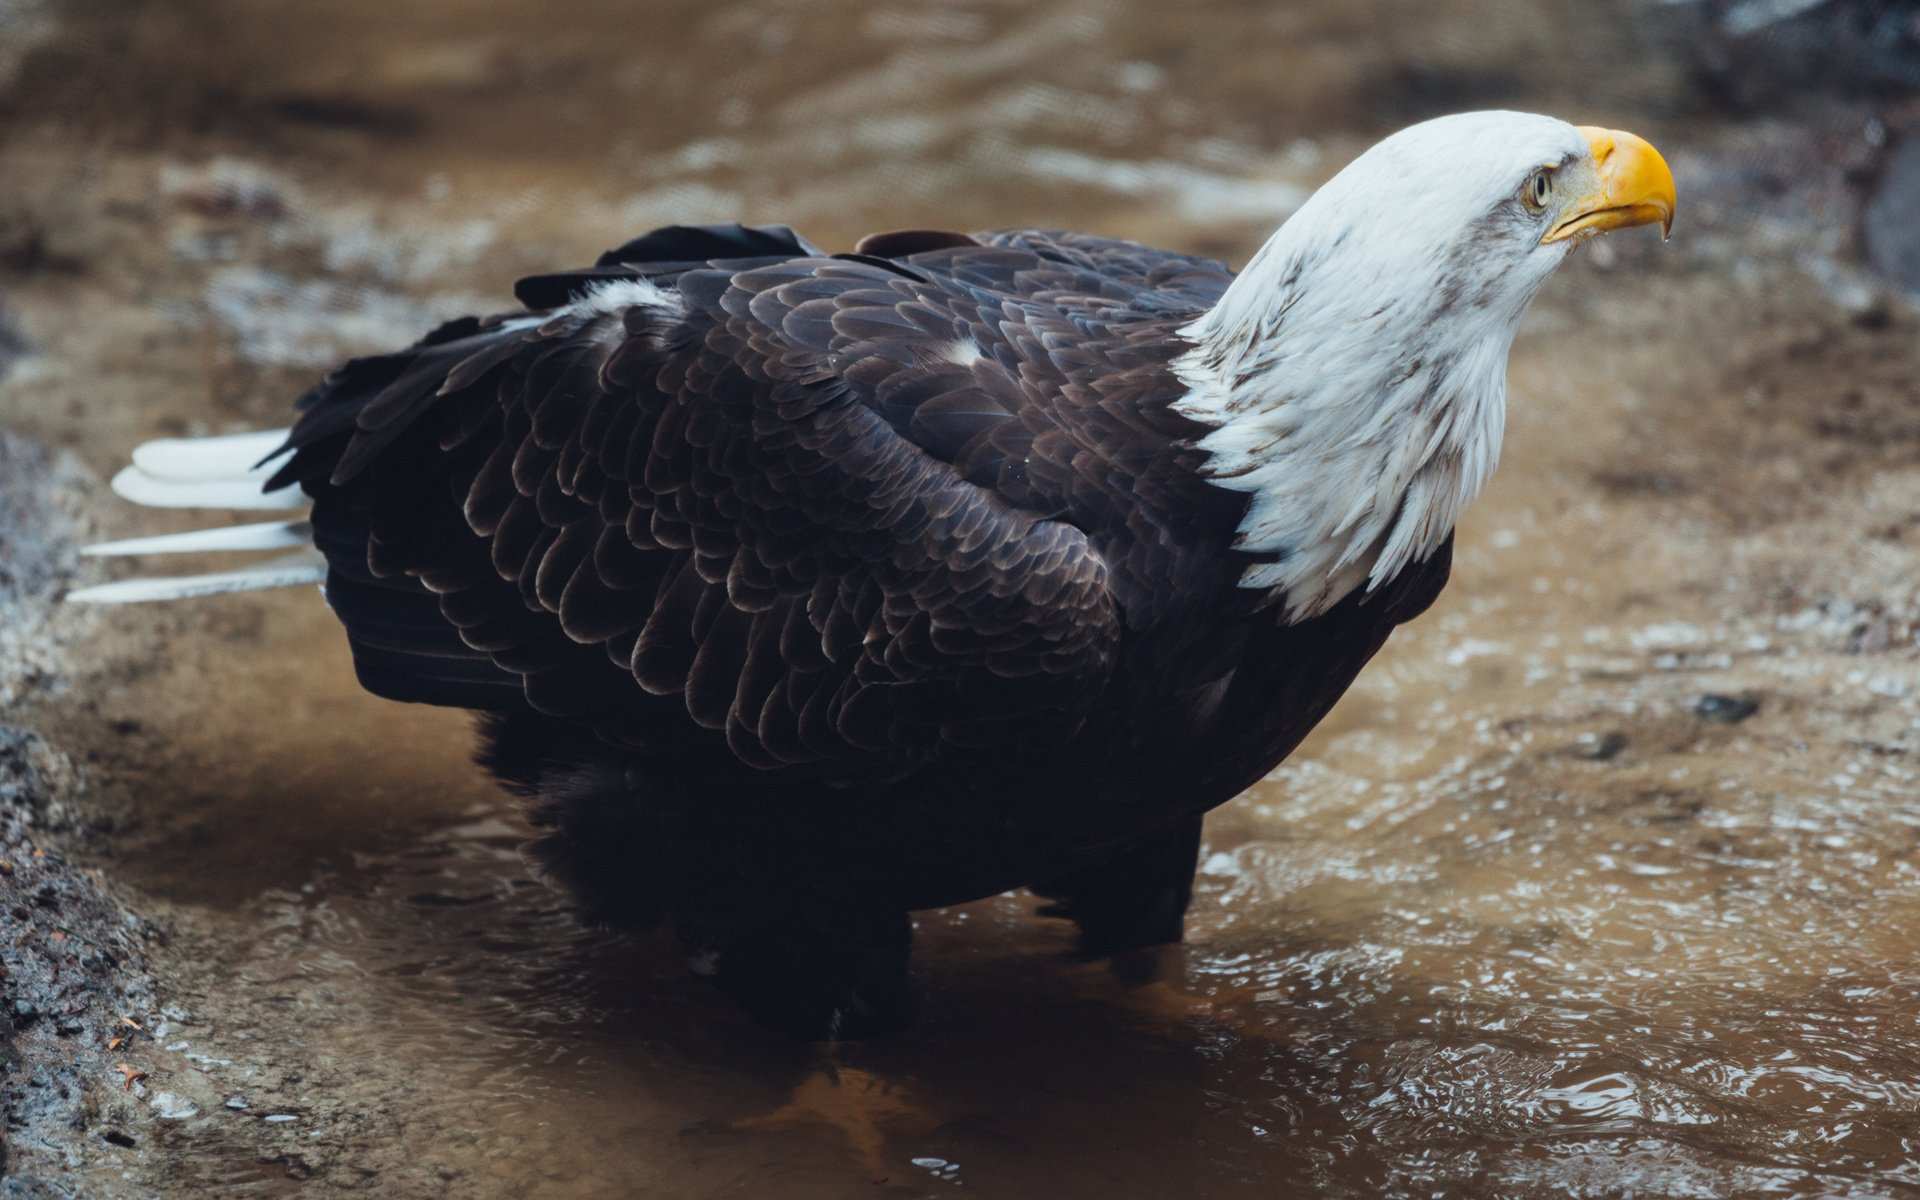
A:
x: 1538, y: 188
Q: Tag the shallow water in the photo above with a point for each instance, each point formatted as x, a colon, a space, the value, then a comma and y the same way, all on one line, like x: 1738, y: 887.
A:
x: 1517, y: 921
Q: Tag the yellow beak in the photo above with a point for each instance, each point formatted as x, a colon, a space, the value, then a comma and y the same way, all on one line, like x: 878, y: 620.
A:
x: 1635, y: 188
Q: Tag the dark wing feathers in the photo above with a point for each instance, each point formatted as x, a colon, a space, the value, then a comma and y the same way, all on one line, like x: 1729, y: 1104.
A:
x: 667, y: 251
x: 900, y: 243
x: 850, y: 515
x: 707, y: 243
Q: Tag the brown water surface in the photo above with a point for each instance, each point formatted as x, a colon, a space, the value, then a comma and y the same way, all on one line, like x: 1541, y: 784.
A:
x: 1518, y: 921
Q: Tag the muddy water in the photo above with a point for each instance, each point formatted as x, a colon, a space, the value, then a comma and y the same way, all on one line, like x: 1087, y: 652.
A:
x: 1530, y: 915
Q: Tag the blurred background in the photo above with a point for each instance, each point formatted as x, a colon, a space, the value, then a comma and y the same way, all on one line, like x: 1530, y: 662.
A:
x: 1604, y: 881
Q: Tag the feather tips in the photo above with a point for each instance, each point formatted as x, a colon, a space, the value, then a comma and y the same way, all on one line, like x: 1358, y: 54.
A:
x: 217, y: 472
x: 286, y: 572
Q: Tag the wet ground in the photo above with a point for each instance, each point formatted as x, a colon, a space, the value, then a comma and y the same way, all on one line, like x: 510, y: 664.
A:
x: 1604, y: 881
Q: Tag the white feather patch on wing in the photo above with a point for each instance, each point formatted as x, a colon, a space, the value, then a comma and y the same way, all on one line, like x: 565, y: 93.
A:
x: 266, y: 535
x: 617, y: 295
x: 244, y: 491
x: 291, y: 571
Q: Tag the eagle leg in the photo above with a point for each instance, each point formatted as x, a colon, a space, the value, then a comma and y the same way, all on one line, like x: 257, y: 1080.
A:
x: 837, y: 976
x: 1135, y: 899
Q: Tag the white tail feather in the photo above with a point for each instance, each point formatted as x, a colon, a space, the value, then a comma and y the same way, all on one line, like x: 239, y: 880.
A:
x: 267, y: 535
x: 242, y: 491
x: 290, y: 571
x: 219, y: 472
x: 233, y: 456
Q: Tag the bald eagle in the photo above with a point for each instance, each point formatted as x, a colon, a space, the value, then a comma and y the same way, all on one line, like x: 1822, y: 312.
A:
x: 801, y: 591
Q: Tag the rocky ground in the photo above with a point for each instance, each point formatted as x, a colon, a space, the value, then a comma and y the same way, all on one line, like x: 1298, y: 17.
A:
x: 1599, y: 884
x: 74, y: 960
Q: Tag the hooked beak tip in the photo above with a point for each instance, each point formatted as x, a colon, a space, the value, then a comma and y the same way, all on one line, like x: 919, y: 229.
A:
x: 1635, y: 187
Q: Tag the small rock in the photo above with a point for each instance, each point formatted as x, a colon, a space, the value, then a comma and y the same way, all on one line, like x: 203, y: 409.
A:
x: 236, y: 1102
x: 173, y: 1108
x: 1892, y: 246
x: 1875, y: 314
x: 1725, y: 710
x: 1604, y: 748
x: 13, y: 345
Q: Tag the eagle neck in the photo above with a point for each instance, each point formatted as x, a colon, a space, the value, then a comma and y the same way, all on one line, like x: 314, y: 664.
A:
x: 1360, y: 413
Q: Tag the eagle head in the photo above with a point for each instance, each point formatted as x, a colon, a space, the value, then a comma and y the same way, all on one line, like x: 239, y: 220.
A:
x: 1354, y: 375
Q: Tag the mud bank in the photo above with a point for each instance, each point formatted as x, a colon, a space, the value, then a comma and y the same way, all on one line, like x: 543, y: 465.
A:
x: 104, y: 1063
x: 72, y: 959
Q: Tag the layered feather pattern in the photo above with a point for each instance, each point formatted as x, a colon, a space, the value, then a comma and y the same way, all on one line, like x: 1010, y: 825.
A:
x: 849, y: 514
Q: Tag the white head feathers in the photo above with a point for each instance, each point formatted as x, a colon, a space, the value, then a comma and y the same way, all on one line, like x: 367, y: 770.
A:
x: 1355, y: 372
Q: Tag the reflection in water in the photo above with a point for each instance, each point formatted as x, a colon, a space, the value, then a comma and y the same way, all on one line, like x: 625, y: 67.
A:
x: 1515, y: 922
x: 1463, y: 992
